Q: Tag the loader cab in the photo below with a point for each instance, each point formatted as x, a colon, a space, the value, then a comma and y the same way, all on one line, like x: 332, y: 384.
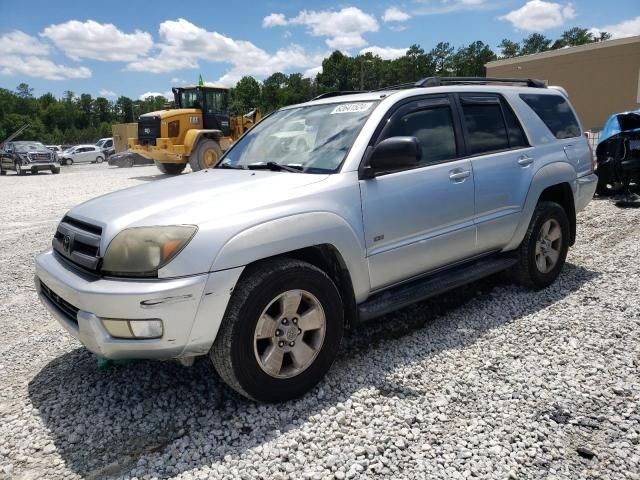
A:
x: 213, y: 101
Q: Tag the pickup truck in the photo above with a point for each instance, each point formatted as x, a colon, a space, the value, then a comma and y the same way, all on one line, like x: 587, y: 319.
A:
x: 260, y: 263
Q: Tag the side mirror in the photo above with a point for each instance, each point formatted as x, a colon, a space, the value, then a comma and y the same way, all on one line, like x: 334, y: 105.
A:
x: 395, y: 153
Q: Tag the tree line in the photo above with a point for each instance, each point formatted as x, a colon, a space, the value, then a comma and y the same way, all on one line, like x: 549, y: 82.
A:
x: 83, y: 118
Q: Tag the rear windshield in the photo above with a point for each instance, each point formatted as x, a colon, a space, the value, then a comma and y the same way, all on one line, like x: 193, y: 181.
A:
x: 555, y: 112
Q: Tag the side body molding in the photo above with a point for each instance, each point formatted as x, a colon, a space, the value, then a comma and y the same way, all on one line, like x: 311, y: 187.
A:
x: 295, y: 232
x: 549, y: 175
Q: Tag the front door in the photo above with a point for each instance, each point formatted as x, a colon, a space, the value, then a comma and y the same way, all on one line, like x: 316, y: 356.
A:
x: 420, y: 219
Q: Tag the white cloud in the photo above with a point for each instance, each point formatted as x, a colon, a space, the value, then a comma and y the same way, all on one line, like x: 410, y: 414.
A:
x: 274, y: 20
x: 98, y: 41
x: 343, y: 28
x: 394, y: 14
x: 312, y: 72
x: 386, y: 53
x: 538, y: 15
x: 39, y: 67
x: 184, y: 44
x: 18, y: 42
x: 627, y: 28
x: 178, y: 81
x: 431, y: 7
x: 167, y: 95
x: 107, y: 93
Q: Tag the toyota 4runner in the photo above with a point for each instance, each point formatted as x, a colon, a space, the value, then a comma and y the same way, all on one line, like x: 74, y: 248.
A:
x: 374, y: 201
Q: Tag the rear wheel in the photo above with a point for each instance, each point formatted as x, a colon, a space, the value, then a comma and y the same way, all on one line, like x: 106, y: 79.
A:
x: 171, y: 168
x: 281, y: 331
x: 206, y: 155
x: 544, y: 248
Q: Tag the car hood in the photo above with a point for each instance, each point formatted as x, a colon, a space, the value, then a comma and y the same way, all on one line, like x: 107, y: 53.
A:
x: 195, y: 198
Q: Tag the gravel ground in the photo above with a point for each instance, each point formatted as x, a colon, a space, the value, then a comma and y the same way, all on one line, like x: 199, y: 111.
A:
x: 489, y: 381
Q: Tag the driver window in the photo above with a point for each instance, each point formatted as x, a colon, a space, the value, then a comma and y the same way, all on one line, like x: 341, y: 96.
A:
x: 433, y: 127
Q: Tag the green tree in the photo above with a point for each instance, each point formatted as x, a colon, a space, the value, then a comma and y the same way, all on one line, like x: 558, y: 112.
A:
x: 470, y: 61
x: 245, y: 96
x: 442, y: 54
x: 509, y: 48
x: 535, y: 43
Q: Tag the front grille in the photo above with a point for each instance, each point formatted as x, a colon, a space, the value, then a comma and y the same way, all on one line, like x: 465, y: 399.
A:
x: 70, y: 312
x: 148, y: 130
x: 40, y: 157
x: 78, y: 242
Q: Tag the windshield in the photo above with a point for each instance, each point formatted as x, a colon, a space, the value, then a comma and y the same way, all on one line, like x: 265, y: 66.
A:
x: 312, y: 139
x: 100, y: 142
x: 70, y: 150
x: 28, y: 147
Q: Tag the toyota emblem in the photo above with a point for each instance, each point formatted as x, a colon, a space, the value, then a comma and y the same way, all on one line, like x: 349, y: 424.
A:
x: 147, y: 131
x: 66, y: 243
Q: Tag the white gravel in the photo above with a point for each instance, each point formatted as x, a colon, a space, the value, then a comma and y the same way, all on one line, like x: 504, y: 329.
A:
x: 490, y: 381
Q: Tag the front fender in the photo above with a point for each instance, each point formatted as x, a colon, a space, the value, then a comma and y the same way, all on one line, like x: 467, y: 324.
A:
x: 192, y: 136
x: 294, y: 232
x: 549, y: 175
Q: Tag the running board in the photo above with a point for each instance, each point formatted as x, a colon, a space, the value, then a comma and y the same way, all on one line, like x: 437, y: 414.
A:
x: 429, y: 286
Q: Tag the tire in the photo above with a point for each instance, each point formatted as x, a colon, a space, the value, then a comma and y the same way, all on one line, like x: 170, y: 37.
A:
x: 528, y: 270
x: 68, y: 161
x: 19, y: 169
x: 206, y: 155
x: 235, y: 352
x: 55, y: 170
x: 99, y: 160
x: 171, y: 168
x: 2, y: 171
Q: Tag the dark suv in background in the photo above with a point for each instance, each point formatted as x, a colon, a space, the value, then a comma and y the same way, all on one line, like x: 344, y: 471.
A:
x: 27, y: 156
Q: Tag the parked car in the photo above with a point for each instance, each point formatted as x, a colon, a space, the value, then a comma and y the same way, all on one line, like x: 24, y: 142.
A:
x: 27, y: 156
x: 128, y: 159
x: 404, y: 194
x: 106, y: 145
x: 618, y: 153
x: 82, y: 154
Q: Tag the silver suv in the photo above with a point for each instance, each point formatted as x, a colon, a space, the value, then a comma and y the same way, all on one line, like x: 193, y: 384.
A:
x: 374, y: 201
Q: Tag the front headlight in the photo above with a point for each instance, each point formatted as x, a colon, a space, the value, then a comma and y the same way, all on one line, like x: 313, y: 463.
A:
x: 142, y: 251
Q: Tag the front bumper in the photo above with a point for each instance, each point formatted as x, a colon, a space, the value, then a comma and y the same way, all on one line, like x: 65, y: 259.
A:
x: 40, y: 166
x: 191, y: 308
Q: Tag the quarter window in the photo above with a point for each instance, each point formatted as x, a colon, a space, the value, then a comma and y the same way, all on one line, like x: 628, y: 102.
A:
x: 555, y: 112
x: 486, y: 129
x: 433, y: 127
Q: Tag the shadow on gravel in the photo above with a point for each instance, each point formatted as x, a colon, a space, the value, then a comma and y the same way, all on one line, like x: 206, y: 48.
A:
x: 162, y: 418
x: 151, y: 178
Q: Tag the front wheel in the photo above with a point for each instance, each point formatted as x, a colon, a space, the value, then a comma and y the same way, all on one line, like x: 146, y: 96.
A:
x: 99, y: 160
x: 206, y: 155
x: 544, y: 248
x: 170, y: 168
x: 20, y: 170
x: 55, y: 170
x: 281, y: 331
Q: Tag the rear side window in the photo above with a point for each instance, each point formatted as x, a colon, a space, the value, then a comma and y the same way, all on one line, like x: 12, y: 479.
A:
x: 517, y: 138
x: 486, y: 129
x: 555, y: 112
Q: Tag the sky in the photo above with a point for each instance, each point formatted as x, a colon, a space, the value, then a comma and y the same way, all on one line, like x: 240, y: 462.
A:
x: 137, y: 48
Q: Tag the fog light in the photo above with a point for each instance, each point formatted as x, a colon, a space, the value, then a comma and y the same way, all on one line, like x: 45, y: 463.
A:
x: 138, y: 329
x: 146, y: 328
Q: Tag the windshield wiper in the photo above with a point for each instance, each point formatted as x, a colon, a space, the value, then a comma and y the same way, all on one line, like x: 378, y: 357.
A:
x: 276, y: 167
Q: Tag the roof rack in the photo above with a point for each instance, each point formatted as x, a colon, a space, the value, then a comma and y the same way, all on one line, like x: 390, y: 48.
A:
x: 338, y: 93
x: 439, y: 81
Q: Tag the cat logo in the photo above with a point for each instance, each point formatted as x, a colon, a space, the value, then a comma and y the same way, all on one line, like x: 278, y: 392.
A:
x: 194, y: 120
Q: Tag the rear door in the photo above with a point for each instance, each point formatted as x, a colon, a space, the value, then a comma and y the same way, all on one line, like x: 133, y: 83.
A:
x: 503, y: 166
x: 419, y: 219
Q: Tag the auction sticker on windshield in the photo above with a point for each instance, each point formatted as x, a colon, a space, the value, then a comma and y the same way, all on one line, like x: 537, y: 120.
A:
x: 352, y: 107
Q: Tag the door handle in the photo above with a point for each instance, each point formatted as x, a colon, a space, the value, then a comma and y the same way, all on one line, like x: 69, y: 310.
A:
x: 525, y: 160
x: 458, y: 175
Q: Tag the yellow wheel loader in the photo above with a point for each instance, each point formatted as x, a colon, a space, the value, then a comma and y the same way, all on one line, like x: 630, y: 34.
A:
x: 196, y: 132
